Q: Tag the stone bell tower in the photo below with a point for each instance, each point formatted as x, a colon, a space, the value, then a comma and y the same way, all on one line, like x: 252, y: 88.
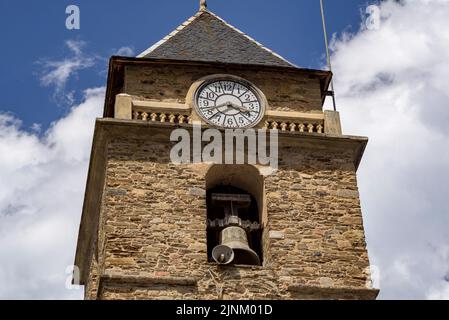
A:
x: 153, y: 228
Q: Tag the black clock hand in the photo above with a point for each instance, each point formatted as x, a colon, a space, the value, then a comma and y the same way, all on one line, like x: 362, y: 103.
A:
x: 227, y: 104
x: 215, y: 107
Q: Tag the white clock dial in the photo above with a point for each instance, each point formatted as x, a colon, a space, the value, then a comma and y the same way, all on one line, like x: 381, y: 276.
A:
x: 229, y: 104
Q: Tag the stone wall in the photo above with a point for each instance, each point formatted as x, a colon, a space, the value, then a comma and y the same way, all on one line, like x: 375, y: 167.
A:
x: 285, y: 91
x: 152, y: 234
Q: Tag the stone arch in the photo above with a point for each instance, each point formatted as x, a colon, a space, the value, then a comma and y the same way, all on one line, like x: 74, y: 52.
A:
x: 245, y: 177
x: 238, y: 179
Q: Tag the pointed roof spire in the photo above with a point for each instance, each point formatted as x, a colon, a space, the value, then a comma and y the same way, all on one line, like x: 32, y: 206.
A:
x: 207, y: 37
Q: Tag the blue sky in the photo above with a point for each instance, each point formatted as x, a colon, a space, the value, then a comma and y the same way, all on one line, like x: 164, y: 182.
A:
x: 34, y: 31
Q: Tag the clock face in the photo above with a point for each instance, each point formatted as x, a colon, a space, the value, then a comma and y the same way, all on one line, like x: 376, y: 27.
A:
x: 229, y: 104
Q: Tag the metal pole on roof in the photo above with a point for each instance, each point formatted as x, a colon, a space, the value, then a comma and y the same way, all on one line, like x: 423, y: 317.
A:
x: 326, y: 42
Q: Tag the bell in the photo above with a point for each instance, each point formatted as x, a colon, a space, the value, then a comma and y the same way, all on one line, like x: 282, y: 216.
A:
x: 234, y: 248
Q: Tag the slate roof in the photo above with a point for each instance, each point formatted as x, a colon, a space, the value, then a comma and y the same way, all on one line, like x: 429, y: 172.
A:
x: 207, y: 37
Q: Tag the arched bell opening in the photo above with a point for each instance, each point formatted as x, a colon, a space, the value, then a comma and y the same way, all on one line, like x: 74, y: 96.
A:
x: 235, y: 214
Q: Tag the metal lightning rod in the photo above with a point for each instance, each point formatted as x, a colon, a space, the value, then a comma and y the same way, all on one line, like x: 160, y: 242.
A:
x: 326, y: 42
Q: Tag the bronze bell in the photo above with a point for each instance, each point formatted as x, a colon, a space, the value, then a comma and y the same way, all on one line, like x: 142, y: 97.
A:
x: 234, y: 248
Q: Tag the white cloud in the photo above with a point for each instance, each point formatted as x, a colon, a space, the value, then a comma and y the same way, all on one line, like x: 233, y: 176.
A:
x: 391, y: 87
x: 76, y: 46
x: 36, y: 127
x: 41, y: 201
x: 58, y: 72
x: 125, y: 52
x: 440, y: 292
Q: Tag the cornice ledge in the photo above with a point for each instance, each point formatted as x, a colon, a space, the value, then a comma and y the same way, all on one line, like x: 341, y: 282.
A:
x: 348, y: 293
x: 146, y: 279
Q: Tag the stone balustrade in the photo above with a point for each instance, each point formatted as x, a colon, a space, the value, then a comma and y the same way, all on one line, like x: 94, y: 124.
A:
x: 327, y: 122
x: 162, y: 117
x: 161, y: 112
x: 295, y: 122
x: 304, y: 127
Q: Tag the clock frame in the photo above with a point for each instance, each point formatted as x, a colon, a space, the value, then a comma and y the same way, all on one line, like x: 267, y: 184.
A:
x: 229, y: 102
